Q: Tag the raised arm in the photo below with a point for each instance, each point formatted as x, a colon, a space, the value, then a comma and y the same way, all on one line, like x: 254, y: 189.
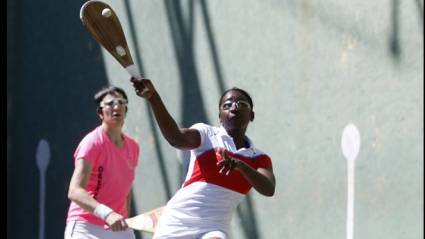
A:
x: 181, y: 138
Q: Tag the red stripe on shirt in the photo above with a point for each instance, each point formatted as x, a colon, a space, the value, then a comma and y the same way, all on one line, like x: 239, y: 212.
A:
x: 206, y: 170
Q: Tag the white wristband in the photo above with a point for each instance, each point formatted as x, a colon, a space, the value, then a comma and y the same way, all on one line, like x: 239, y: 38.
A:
x: 102, y: 211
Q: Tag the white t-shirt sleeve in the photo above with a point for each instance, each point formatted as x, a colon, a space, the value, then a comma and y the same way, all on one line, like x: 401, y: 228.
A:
x: 203, y: 130
x: 207, y: 134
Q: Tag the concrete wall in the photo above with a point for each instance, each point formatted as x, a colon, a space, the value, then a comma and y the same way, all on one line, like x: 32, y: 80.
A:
x: 311, y: 67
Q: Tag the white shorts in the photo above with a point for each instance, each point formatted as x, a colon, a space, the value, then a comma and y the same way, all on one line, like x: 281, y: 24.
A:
x: 207, y: 235
x: 85, y: 230
x: 214, y: 234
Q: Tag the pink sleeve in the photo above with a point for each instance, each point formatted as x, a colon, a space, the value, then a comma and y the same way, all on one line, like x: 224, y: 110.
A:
x: 136, y: 155
x: 89, y: 149
x: 134, y: 149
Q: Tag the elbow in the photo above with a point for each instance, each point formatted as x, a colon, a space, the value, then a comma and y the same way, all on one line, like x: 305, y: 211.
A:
x: 180, y: 144
x: 173, y: 143
x: 173, y: 140
x: 271, y: 189
x: 269, y: 193
x: 72, y: 194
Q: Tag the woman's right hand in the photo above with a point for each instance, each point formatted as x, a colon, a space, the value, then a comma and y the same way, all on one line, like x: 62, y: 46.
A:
x: 143, y: 87
x: 116, y: 222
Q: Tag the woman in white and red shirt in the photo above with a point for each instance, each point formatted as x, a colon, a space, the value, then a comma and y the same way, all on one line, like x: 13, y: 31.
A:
x: 224, y: 165
x: 105, y: 162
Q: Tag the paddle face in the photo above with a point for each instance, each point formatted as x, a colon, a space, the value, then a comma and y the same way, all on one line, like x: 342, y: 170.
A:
x: 350, y: 142
x: 145, y: 222
x: 103, y: 24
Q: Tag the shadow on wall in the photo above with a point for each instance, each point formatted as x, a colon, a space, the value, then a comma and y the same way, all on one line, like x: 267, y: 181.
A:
x: 394, y: 38
x: 394, y: 41
x: 51, y: 83
x: 420, y: 7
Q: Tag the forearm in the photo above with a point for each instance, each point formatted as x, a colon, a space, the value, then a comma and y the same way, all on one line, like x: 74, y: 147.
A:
x: 180, y: 138
x: 166, y: 123
x: 79, y: 180
x: 177, y: 137
x: 262, y: 183
x: 83, y: 199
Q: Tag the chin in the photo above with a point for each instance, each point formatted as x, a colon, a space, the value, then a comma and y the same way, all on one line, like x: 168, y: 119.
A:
x: 231, y: 127
x: 116, y: 123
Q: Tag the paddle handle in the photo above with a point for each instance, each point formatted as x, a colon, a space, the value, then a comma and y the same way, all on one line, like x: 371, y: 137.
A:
x: 134, y: 71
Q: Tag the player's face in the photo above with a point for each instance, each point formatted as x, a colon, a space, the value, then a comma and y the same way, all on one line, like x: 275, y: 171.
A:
x: 113, y: 109
x: 235, y: 111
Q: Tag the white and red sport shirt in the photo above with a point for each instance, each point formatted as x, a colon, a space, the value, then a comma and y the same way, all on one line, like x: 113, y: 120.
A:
x: 207, y: 199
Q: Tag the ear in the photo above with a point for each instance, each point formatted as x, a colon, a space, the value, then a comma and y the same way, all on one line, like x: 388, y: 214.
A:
x: 252, y: 116
x: 100, y: 113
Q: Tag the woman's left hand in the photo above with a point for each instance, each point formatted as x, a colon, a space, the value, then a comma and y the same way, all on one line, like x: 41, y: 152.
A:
x: 116, y: 222
x: 228, y: 163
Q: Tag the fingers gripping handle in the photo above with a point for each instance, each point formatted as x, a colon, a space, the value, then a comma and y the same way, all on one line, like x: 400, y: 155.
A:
x: 133, y: 70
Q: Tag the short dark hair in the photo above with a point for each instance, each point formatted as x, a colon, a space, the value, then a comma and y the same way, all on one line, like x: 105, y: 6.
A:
x: 98, y: 97
x: 248, y: 97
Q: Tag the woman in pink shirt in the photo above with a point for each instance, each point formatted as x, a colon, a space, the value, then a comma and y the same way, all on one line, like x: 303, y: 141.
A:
x: 105, y: 162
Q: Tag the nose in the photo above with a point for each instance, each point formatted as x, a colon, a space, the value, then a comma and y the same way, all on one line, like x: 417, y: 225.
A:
x: 116, y: 105
x: 237, y: 104
x: 234, y: 106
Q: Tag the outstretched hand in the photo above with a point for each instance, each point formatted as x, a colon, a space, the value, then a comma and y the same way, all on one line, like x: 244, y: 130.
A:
x: 143, y: 87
